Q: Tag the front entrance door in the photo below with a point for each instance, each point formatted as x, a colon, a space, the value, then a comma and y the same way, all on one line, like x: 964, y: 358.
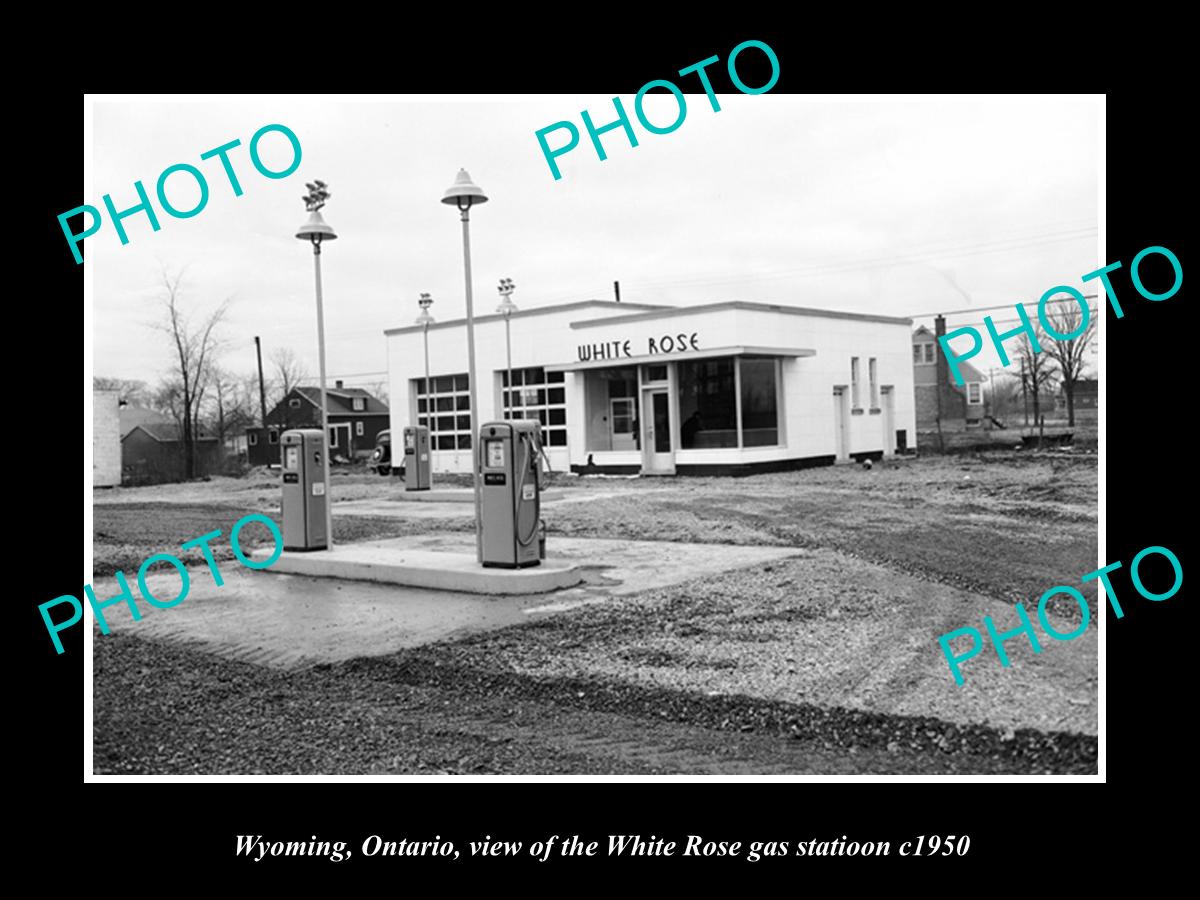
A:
x: 841, y: 400
x: 658, y: 456
x: 889, y: 421
x: 339, y: 441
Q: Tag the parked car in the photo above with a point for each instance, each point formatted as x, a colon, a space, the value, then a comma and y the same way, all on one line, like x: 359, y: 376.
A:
x: 381, y: 457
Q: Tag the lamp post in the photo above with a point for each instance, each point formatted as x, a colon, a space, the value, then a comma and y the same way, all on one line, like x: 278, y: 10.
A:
x: 507, y: 308
x: 316, y: 231
x: 425, y: 320
x: 464, y: 194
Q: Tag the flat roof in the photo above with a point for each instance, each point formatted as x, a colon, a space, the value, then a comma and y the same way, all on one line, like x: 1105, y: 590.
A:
x: 535, y: 311
x: 743, y: 304
x: 650, y: 358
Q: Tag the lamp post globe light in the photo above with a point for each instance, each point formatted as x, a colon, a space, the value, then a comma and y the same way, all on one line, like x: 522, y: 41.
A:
x: 507, y: 308
x: 425, y: 320
x: 317, y: 231
x: 464, y: 194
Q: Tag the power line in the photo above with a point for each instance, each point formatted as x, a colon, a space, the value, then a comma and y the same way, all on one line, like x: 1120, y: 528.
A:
x: 980, y: 323
x: 975, y: 309
x: 877, y: 262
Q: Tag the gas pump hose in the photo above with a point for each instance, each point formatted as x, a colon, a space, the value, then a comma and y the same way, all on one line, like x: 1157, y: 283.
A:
x: 537, y: 494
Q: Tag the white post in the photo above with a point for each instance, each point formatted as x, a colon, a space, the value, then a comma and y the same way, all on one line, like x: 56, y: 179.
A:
x: 472, y: 386
x: 324, y: 399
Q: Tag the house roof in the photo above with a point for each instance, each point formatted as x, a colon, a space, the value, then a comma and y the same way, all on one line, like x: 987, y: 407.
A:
x: 164, y: 432
x: 968, y: 371
x: 133, y: 416
x: 341, y: 400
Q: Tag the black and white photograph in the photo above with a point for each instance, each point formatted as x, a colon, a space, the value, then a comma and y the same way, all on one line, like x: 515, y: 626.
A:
x: 707, y: 431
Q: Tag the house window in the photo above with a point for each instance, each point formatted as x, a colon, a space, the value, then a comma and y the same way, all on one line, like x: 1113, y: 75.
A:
x: 854, y: 383
x: 359, y: 404
x: 446, y: 411
x: 923, y: 354
x: 537, y: 394
x: 252, y: 439
x: 974, y: 392
x: 930, y: 353
x: 917, y: 355
x: 873, y: 375
x: 358, y: 429
x: 272, y: 437
x: 294, y: 403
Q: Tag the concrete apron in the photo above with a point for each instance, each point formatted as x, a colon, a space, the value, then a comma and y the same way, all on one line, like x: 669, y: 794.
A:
x: 293, y: 621
x: 398, y: 561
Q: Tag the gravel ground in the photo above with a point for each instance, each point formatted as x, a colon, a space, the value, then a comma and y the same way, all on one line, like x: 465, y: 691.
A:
x: 821, y: 629
x: 165, y: 709
x: 127, y: 533
x: 826, y: 663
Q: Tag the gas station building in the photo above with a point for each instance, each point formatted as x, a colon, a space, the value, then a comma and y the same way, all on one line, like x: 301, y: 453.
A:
x: 631, y: 388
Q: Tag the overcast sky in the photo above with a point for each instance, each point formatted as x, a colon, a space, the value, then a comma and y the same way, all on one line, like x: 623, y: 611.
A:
x: 893, y: 207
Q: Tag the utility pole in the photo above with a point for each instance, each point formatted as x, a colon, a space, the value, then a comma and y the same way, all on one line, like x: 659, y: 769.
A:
x: 617, y: 290
x: 262, y: 390
x: 1025, y: 393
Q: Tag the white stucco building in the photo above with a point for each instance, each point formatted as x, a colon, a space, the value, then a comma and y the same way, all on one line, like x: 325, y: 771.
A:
x: 726, y: 387
x: 106, y: 439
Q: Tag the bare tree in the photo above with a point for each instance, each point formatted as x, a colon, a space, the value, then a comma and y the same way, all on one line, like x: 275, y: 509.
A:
x: 195, y: 349
x: 378, y: 390
x: 289, y: 373
x: 1069, y: 353
x: 1037, y: 372
x: 232, y: 405
x: 1006, y: 395
x: 128, y: 390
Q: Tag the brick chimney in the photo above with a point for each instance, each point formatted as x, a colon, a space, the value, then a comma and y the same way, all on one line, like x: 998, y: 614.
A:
x: 951, y: 402
x: 337, y: 385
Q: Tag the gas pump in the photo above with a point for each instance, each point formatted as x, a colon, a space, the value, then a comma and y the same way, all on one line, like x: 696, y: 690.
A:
x: 304, y: 495
x: 417, y: 476
x: 510, y: 505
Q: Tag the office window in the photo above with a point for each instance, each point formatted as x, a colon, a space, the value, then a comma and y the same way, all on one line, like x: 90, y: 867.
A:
x: 974, y: 392
x: 873, y: 375
x: 272, y: 437
x: 537, y: 394
x: 760, y: 407
x: 854, y: 383
x: 358, y: 429
x: 450, y: 425
x: 252, y: 439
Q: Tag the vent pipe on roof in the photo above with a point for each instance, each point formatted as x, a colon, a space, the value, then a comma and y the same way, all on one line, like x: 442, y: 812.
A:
x: 617, y: 290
